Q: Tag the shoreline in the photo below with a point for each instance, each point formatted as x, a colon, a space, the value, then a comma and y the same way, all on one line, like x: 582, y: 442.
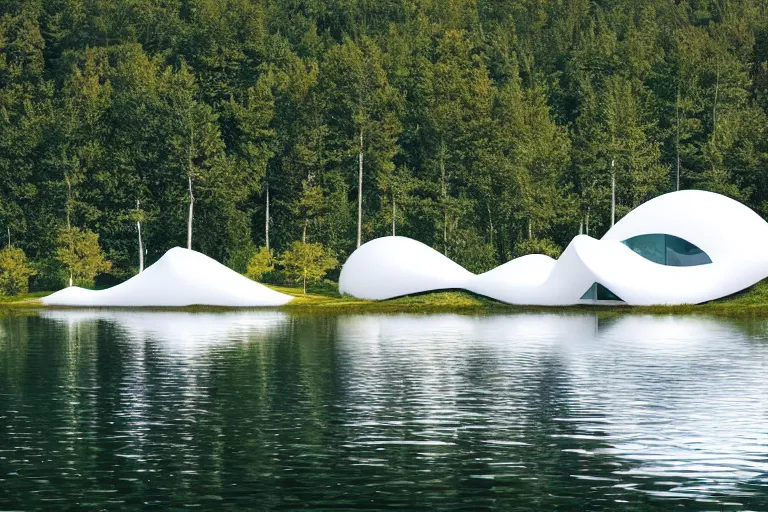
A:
x: 751, y: 303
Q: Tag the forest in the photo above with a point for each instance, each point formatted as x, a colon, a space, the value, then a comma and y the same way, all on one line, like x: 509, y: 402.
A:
x: 486, y: 129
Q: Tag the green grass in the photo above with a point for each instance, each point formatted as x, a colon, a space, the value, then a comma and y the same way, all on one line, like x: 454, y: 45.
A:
x: 323, y: 298
x: 20, y: 299
x: 752, y: 302
x: 431, y: 302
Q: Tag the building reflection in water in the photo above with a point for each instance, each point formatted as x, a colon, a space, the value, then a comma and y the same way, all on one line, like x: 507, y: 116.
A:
x: 663, y: 394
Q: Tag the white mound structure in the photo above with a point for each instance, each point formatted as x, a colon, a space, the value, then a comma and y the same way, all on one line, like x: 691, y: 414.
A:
x: 727, y: 244
x: 180, y: 278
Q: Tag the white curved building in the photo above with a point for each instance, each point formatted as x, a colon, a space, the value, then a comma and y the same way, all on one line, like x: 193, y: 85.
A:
x: 181, y: 277
x: 684, y: 247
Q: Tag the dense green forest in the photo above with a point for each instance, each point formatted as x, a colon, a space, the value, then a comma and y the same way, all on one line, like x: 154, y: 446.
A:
x: 484, y: 128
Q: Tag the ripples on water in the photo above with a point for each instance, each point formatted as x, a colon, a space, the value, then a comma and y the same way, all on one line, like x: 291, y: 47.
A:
x: 265, y: 411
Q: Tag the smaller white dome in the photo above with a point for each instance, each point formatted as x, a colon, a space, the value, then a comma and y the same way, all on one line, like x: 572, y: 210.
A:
x: 180, y: 278
x: 393, y: 266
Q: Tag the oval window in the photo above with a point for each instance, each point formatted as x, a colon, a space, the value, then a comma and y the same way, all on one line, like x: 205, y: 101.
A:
x: 667, y: 250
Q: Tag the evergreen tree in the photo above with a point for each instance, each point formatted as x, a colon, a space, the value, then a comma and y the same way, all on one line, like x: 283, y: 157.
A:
x: 486, y: 130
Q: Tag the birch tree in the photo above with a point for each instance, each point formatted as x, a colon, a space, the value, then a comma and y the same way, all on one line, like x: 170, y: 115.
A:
x: 364, y: 109
x: 195, y: 143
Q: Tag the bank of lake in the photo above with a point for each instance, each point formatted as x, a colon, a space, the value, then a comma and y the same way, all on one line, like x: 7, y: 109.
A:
x: 324, y: 298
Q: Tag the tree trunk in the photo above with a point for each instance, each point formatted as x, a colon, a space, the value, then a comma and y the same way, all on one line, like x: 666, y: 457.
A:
x: 266, y: 222
x: 714, y: 104
x: 444, y: 188
x: 191, y: 214
x: 69, y: 223
x: 9, y: 236
x: 360, y: 194
x: 677, y: 138
x: 613, y: 192
x: 69, y: 202
x: 189, y: 178
x: 587, y: 222
x: 490, y: 223
x: 394, y: 214
x: 304, y: 232
x: 141, y: 243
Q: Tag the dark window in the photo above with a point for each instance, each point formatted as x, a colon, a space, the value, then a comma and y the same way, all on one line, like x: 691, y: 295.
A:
x: 599, y: 292
x: 667, y: 250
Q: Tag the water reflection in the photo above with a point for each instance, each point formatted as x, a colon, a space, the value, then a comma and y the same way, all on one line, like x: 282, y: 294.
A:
x: 267, y: 411
x: 672, y: 407
x: 180, y: 332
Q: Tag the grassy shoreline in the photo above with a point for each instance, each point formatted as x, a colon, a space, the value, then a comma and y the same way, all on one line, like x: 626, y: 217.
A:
x: 324, y: 299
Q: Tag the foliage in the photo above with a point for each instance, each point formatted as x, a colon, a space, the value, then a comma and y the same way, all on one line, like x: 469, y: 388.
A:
x: 537, y: 246
x: 239, y: 258
x: 261, y: 262
x: 15, y: 272
x: 80, y: 253
x: 484, y: 125
x: 472, y: 252
x: 307, y: 262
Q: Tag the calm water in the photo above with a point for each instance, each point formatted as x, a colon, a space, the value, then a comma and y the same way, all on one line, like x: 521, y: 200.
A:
x: 267, y: 411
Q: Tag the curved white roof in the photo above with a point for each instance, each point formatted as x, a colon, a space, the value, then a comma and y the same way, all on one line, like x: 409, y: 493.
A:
x: 393, y: 266
x: 180, y: 278
x: 734, y: 237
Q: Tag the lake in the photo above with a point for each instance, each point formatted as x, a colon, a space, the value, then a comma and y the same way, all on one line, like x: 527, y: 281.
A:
x: 122, y: 410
